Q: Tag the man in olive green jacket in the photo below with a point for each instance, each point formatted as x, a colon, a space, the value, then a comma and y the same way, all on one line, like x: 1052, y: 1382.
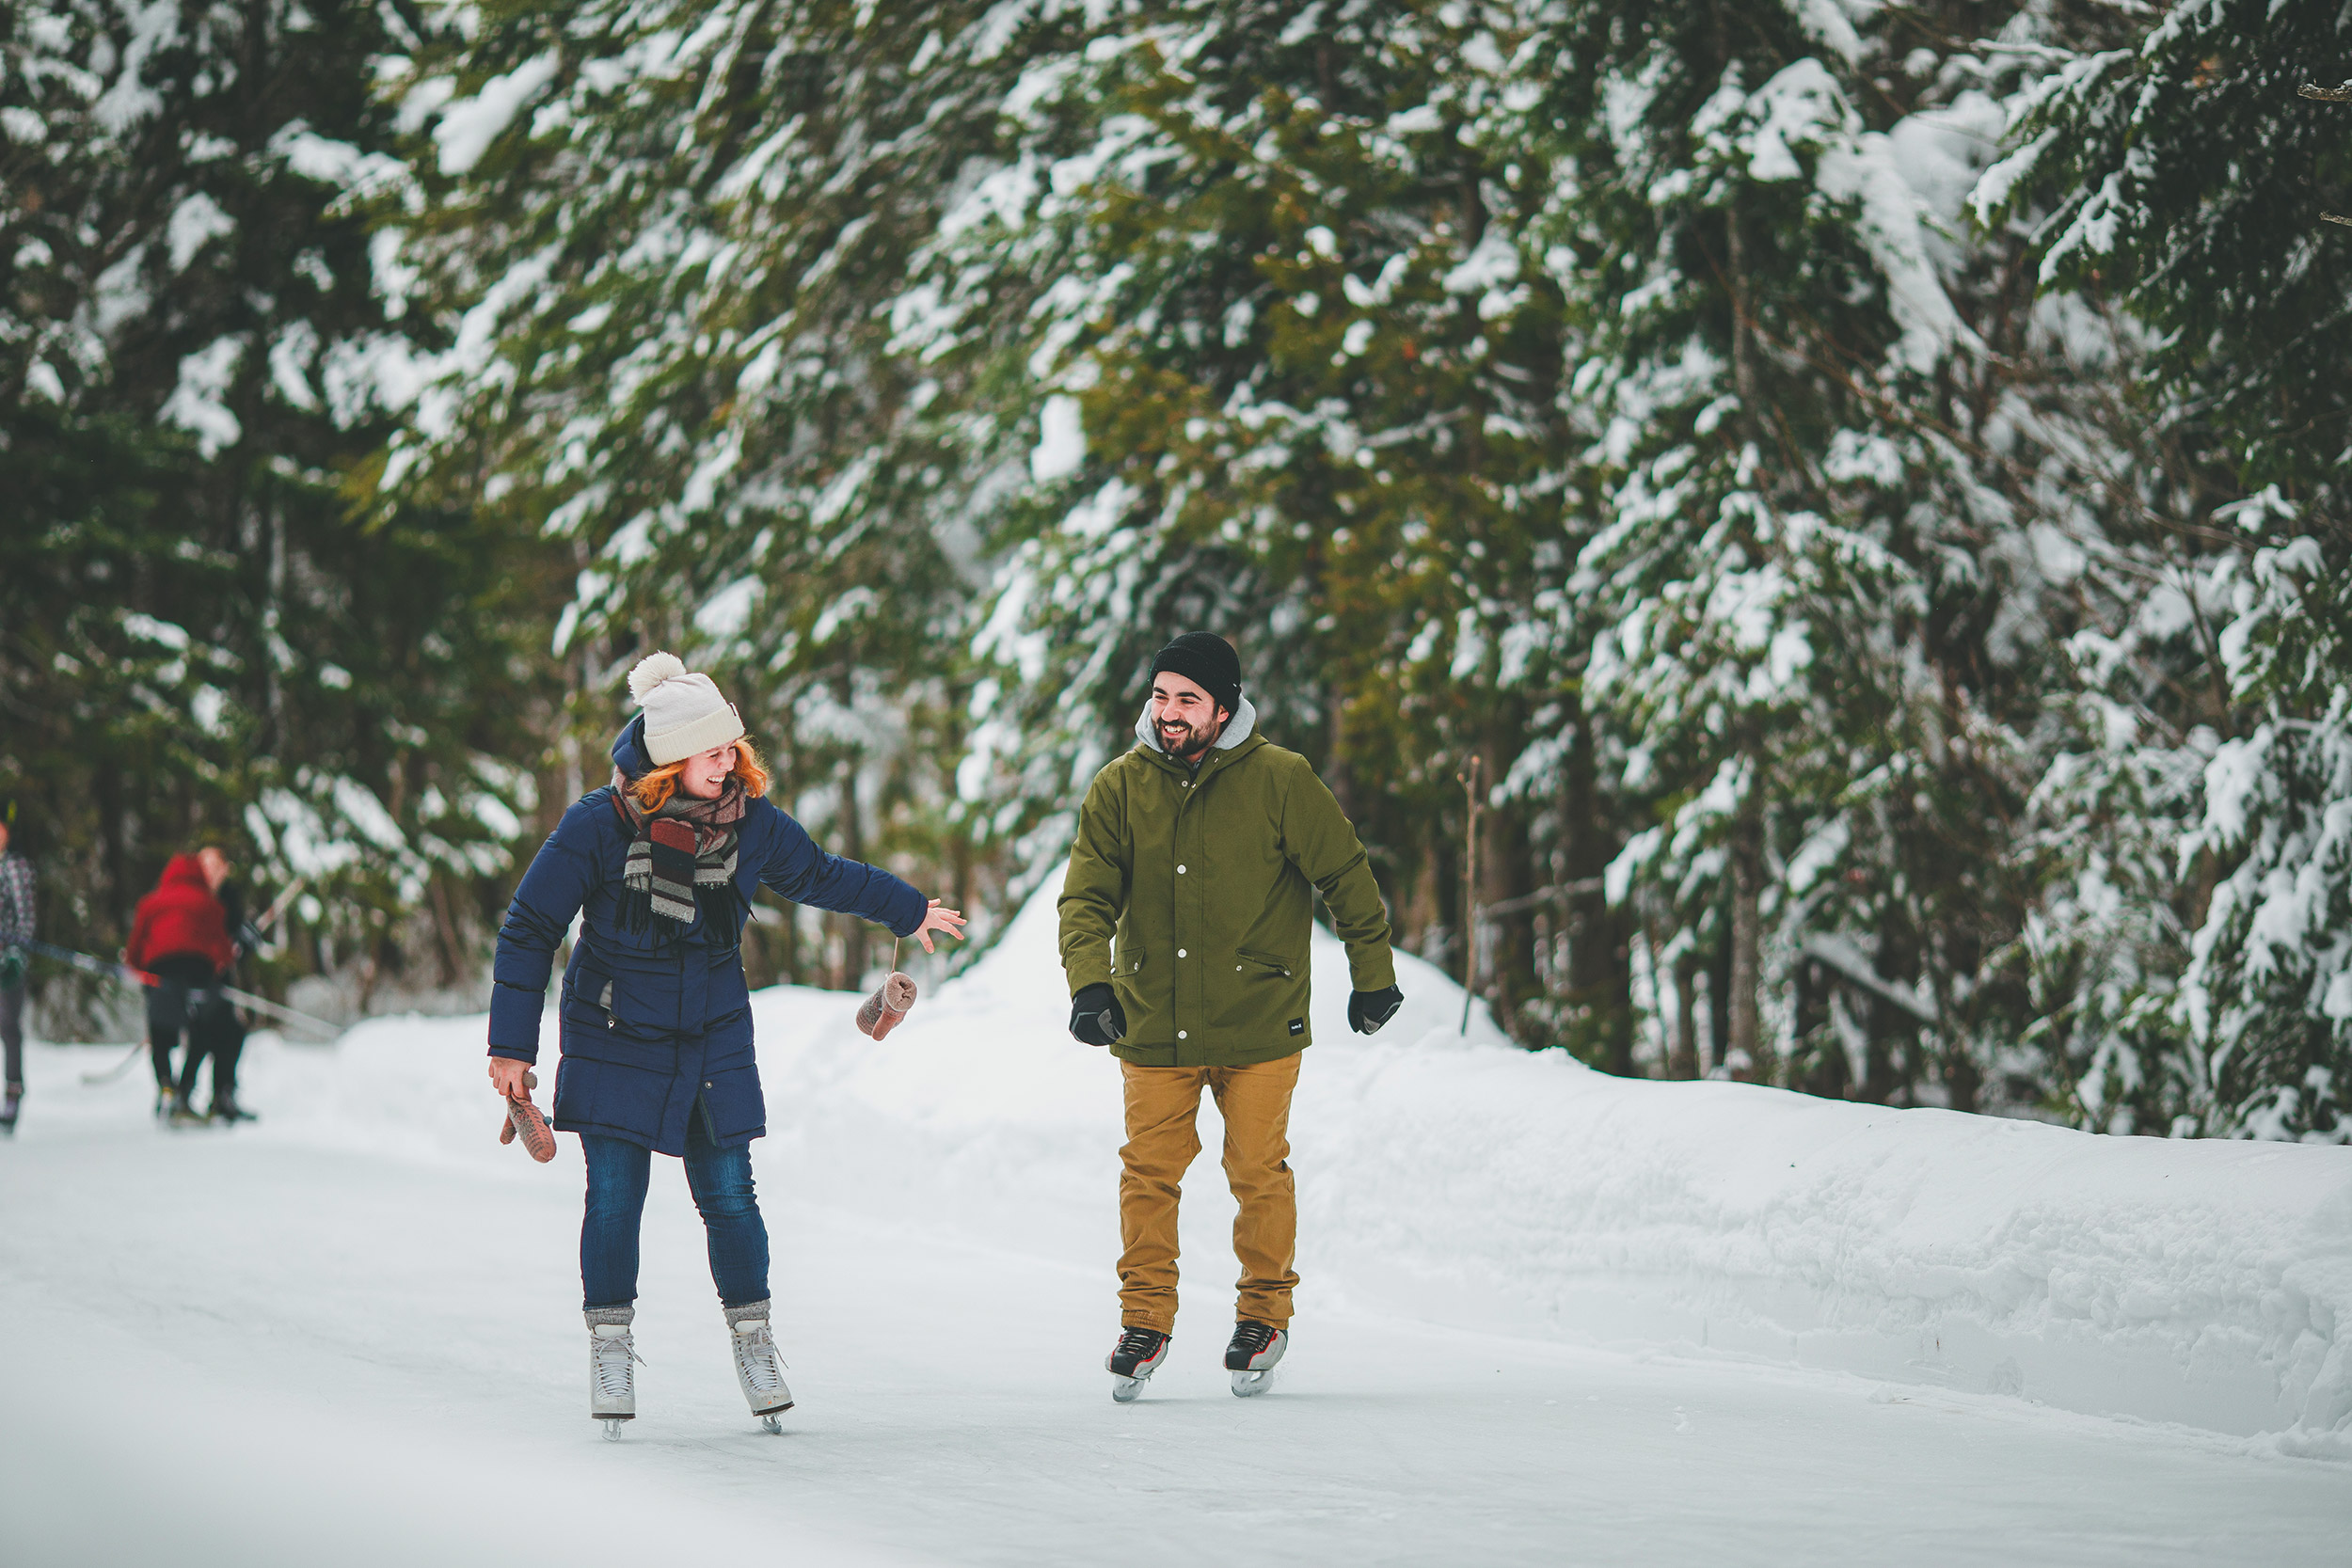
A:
x: 1185, y: 919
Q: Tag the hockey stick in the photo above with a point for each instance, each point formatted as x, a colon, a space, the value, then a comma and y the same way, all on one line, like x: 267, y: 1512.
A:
x: 141, y: 977
x: 110, y: 1074
x: 263, y: 1005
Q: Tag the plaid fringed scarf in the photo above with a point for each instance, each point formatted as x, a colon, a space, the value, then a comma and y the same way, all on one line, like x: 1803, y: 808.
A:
x: 687, y: 844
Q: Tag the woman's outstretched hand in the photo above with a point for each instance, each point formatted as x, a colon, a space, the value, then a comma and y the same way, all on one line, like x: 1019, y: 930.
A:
x: 506, y: 1076
x: 947, y: 923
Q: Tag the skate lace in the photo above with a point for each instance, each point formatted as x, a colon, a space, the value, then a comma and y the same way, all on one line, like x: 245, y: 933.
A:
x: 1253, y: 1337
x: 1138, y: 1343
x: 611, y: 1365
x: 756, y: 1352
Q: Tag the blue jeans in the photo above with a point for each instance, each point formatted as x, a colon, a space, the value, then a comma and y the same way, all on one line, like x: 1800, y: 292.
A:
x: 720, y: 1181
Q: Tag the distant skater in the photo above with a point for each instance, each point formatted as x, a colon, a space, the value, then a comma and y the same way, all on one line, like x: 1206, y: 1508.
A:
x: 179, y: 934
x: 656, y: 1023
x: 16, y: 929
x: 221, y: 1040
x: 1186, y: 919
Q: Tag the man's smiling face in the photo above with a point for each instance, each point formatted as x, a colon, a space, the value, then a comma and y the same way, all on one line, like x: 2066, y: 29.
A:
x: 1186, y: 718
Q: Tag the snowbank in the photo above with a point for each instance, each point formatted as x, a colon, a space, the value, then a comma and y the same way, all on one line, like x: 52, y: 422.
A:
x: 1457, y: 1179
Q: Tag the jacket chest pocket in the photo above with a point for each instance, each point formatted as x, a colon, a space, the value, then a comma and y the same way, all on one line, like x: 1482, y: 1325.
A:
x: 589, y: 1001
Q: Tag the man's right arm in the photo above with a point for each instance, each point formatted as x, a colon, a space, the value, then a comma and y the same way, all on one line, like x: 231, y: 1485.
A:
x: 1094, y: 890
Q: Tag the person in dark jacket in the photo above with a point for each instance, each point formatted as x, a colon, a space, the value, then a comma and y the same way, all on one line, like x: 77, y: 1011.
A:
x: 655, y: 1022
x: 16, y: 929
x: 179, y: 934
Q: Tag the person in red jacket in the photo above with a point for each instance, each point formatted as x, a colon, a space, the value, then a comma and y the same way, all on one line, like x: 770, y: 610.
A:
x: 179, y: 934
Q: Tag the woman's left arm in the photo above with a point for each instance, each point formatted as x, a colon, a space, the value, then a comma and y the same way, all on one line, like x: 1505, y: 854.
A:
x: 797, y: 868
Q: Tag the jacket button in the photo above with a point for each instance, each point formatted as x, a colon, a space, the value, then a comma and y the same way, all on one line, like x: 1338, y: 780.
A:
x: 1179, y: 871
x: 1180, y: 952
x: 706, y: 1085
x: 1180, y: 1034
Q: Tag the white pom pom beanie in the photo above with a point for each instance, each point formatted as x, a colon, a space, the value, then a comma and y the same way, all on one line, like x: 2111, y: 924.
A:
x: 684, y: 713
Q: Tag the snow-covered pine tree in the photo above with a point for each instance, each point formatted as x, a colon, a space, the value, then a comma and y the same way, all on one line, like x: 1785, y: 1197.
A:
x: 1291, y: 379
x: 669, y: 243
x: 201, y: 641
x: 1749, y: 229
x: 2174, y: 164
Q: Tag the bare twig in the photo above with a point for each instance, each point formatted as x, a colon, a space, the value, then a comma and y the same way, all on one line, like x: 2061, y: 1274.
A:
x: 1564, y: 892
x: 2327, y: 95
x: 1469, y: 888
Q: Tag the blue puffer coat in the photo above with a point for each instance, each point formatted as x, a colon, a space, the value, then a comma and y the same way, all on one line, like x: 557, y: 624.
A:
x: 672, y: 1037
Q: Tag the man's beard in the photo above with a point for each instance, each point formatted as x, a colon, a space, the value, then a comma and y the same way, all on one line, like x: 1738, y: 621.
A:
x: 1186, y: 743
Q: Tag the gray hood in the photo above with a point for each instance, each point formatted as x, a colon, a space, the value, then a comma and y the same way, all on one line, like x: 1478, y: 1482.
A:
x: 1237, y: 729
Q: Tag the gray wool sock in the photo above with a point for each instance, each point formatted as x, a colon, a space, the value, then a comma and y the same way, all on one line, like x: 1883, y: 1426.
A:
x: 622, y: 1315
x: 748, y: 1312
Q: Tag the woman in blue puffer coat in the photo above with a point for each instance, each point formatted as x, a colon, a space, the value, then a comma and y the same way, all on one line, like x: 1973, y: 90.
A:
x: 660, y: 867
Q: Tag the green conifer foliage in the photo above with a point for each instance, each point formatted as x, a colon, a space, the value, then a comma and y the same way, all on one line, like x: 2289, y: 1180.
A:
x: 669, y: 247
x: 1291, y: 379
x: 2173, y: 162
x: 202, y: 642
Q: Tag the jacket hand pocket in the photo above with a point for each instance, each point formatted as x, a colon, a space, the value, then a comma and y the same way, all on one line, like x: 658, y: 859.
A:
x: 1265, y: 962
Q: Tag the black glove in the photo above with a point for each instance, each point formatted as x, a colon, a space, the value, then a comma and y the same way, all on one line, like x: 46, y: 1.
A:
x: 1095, y: 1016
x: 1367, y: 1010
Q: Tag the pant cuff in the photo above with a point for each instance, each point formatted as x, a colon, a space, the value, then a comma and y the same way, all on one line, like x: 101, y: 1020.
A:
x: 624, y: 1315
x: 750, y: 1311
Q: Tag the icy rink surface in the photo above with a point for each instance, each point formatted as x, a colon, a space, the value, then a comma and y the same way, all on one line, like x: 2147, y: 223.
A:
x: 1546, y: 1318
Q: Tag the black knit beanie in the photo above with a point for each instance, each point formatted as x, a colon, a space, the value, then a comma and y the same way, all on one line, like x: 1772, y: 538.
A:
x: 1209, y: 662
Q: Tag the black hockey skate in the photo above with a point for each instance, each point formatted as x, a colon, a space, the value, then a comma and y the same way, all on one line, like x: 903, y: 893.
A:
x: 1251, y: 1356
x: 1134, y: 1359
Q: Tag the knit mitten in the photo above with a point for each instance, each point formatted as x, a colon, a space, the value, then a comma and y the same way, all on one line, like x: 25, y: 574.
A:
x: 523, y: 1119
x: 880, y: 1012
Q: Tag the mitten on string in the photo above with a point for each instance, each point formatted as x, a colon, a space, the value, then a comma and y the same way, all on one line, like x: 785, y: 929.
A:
x: 880, y: 1012
x: 523, y: 1120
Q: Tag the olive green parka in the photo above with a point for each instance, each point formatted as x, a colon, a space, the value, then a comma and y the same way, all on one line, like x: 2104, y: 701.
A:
x: 1191, y: 892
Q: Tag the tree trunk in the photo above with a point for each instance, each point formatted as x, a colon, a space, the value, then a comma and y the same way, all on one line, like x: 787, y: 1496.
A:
x: 1718, y: 995
x: 1422, y: 907
x: 1747, y: 932
x: 1337, y: 776
x: 1683, y: 1061
x: 1600, y: 967
x: 1509, y: 876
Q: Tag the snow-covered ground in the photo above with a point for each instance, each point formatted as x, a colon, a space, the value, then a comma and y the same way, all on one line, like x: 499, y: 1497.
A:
x: 1547, y: 1316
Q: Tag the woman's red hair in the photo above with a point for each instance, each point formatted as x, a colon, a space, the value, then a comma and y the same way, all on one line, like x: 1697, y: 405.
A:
x: 653, y: 791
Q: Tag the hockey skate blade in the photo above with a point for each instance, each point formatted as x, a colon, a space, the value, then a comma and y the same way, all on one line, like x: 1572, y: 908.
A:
x: 1124, y: 1390
x: 1246, y: 1385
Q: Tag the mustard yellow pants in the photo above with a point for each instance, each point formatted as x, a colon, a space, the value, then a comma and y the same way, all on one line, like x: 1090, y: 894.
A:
x: 1163, y: 1138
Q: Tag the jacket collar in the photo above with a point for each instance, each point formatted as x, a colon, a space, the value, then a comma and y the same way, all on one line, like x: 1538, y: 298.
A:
x: 1237, y: 729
